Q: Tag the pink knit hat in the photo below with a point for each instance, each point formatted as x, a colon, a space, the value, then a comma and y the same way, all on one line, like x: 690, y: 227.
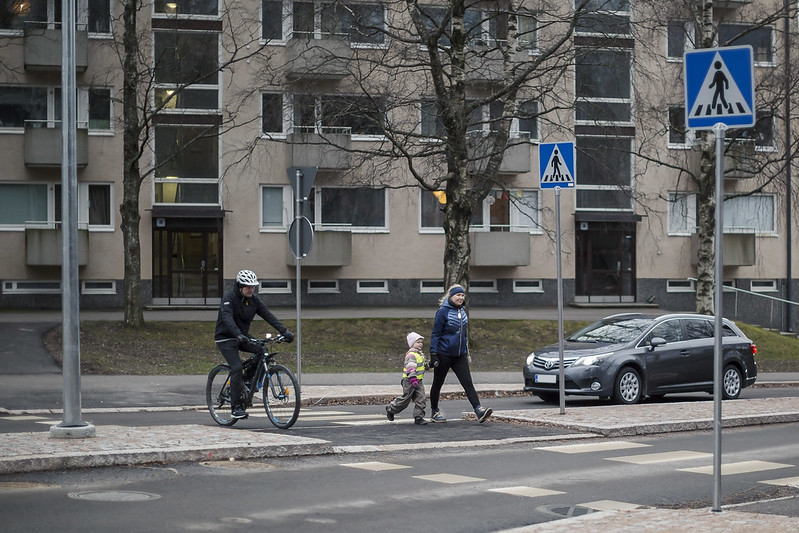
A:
x: 412, y: 338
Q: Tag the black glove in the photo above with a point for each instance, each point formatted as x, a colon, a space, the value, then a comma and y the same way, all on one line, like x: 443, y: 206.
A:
x: 433, y: 360
x: 243, y: 339
x: 288, y: 336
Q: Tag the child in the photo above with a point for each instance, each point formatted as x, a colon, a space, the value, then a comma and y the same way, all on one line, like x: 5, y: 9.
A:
x: 412, y: 388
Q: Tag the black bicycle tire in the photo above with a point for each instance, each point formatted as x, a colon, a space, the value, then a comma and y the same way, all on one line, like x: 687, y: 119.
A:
x: 267, y: 391
x: 212, y: 392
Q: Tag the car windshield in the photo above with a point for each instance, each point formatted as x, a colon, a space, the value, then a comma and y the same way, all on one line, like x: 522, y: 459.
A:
x: 613, y: 331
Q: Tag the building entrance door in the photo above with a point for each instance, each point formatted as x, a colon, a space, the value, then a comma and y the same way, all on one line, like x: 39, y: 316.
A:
x: 187, y: 267
x: 605, y: 262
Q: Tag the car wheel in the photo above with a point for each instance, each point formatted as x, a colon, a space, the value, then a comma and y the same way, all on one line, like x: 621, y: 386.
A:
x: 549, y: 397
x: 628, y: 386
x: 731, y: 385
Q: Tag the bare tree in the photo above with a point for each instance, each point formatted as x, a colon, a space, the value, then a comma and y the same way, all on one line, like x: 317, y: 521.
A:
x: 700, y: 25
x: 442, y: 85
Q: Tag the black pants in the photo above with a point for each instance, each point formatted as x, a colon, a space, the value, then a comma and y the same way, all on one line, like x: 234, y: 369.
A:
x: 459, y: 365
x: 230, y: 351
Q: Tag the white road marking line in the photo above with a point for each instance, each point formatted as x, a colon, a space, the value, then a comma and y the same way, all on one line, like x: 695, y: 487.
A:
x: 787, y: 481
x: 610, y: 505
x: 744, y: 467
x: 664, y: 457
x: 593, y: 447
x: 527, y: 492
x: 449, y: 478
x: 21, y: 418
x: 375, y: 466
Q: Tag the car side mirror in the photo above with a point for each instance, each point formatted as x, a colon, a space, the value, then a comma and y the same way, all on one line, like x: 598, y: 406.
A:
x: 655, y: 342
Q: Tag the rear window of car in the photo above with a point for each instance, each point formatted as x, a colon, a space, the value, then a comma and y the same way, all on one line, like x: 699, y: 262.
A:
x: 612, y: 332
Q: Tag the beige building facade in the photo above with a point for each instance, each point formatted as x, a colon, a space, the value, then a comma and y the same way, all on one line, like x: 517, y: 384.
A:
x: 237, y: 94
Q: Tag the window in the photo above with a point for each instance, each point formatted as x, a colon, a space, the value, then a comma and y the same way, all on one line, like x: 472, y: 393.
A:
x: 513, y: 210
x: 699, y: 329
x: 31, y: 287
x: 680, y: 285
x: 761, y: 134
x: 186, y: 7
x: 603, y: 86
x: 605, y: 165
x: 372, y: 286
x: 431, y: 285
x: 187, y: 164
x: 680, y: 36
x: 317, y: 286
x: 528, y: 119
x: 431, y: 123
x: 763, y: 285
x: 272, y: 113
x: 483, y: 285
x: 742, y: 214
x: 679, y: 135
x: 605, y: 17
x: 359, y: 208
x: 282, y: 286
x: 356, y: 115
x: 760, y: 39
x: 671, y: 330
x: 183, y: 58
x: 21, y: 104
x: 274, y: 215
x: 98, y: 287
x: 99, y: 104
x: 14, y: 14
x: 528, y: 285
x: 40, y: 203
x: 272, y: 16
x: 527, y: 31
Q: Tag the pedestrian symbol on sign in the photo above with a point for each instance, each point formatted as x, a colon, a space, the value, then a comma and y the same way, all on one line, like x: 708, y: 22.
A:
x: 719, y: 95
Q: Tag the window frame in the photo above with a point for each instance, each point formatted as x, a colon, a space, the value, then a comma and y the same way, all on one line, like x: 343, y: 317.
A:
x: 86, y: 288
x: 763, y: 285
x: 53, y: 205
x: 535, y: 286
x: 286, y: 208
x: 179, y: 86
x: 323, y: 286
x: 317, y: 219
x: 279, y: 286
x: 362, y: 288
x: 680, y: 285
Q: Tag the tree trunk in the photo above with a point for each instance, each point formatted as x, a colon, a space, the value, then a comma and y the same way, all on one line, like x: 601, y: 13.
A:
x: 129, y: 210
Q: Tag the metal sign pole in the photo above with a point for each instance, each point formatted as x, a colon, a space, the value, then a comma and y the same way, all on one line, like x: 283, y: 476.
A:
x: 298, y: 259
x: 718, y: 353
x: 561, y: 372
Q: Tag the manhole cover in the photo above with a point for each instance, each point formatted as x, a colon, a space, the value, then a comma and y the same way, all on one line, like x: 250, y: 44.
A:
x: 242, y: 465
x: 566, y: 510
x: 114, y: 496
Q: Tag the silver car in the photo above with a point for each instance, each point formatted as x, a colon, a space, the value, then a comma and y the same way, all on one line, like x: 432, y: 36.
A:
x: 628, y: 357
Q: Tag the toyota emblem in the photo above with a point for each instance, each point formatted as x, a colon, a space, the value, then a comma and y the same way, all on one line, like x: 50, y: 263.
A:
x: 549, y: 364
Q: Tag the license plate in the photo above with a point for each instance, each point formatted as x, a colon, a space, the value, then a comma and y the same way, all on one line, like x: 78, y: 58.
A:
x: 546, y: 378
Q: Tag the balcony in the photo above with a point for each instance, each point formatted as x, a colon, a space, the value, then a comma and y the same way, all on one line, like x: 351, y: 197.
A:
x: 738, y: 249
x: 495, y: 249
x: 515, y: 158
x: 43, y: 146
x: 43, y: 245
x: 740, y: 161
x: 43, y: 48
x: 327, y: 150
x: 328, y: 249
x: 485, y: 66
x: 312, y: 59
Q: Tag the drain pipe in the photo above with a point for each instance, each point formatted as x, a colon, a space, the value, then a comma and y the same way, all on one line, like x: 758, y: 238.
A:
x: 788, y: 208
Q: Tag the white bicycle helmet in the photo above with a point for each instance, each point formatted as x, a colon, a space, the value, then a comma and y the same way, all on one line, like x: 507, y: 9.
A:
x: 248, y: 278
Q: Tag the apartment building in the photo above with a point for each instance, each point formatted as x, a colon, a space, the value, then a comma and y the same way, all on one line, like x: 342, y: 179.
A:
x: 240, y: 92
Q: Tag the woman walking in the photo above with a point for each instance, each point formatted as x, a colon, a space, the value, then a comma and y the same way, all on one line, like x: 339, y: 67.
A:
x: 449, y: 349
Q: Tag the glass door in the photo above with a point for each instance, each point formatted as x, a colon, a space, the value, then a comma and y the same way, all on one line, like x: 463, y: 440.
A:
x: 605, y: 263
x: 187, y: 267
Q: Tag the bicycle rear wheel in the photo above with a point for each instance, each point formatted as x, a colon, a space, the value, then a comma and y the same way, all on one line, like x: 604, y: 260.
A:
x: 217, y: 396
x: 281, y: 396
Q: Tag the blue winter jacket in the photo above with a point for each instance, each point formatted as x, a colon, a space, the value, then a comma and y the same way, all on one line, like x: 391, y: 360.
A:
x: 449, y: 331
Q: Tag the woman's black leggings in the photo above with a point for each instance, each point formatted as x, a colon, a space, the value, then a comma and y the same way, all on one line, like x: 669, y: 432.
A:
x: 459, y: 365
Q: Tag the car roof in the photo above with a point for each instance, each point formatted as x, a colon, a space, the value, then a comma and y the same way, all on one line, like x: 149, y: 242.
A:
x: 664, y: 316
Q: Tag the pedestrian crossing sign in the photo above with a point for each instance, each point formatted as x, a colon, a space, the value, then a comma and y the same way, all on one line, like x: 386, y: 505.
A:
x: 719, y: 87
x: 556, y: 165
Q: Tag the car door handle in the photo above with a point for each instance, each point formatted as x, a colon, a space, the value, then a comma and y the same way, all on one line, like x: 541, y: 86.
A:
x: 685, y: 353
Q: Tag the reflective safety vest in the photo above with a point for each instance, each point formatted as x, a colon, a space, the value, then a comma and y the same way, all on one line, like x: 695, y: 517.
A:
x: 414, y: 365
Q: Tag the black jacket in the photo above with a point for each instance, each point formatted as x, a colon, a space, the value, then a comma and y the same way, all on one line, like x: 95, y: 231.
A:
x: 237, y: 312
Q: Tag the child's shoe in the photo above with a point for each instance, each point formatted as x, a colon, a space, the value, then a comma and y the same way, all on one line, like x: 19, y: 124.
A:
x: 389, y: 415
x: 420, y: 422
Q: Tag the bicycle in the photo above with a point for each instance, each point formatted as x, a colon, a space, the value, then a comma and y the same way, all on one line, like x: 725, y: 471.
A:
x: 278, y: 385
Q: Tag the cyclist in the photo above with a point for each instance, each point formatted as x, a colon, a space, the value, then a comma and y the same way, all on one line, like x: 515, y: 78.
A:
x: 236, y: 312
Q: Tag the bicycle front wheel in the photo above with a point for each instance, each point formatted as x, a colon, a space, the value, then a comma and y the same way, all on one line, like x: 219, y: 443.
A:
x: 217, y: 396
x: 281, y: 396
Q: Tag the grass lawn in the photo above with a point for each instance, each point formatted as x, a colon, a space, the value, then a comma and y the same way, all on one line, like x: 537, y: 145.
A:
x: 342, y: 345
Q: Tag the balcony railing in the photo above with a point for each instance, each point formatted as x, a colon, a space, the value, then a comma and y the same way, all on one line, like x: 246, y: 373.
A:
x: 43, y: 145
x: 485, y: 65
x: 500, y: 248
x: 515, y: 157
x: 326, y: 148
x: 328, y: 249
x: 43, y: 47
x: 326, y: 58
x: 43, y: 244
x: 738, y: 249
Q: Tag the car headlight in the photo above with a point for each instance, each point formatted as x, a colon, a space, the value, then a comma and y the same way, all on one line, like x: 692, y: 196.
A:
x: 591, y: 360
x: 530, y: 359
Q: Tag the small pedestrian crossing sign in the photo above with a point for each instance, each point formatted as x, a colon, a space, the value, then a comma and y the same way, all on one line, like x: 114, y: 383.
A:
x: 556, y: 165
x: 719, y: 87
